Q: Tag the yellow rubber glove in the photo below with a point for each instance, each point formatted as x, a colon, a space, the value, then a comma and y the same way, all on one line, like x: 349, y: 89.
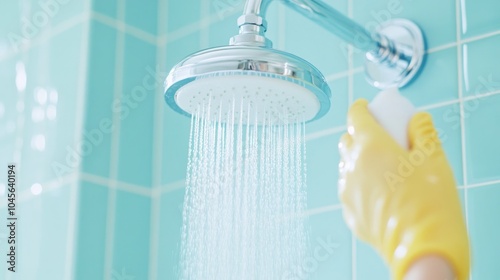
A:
x: 404, y: 203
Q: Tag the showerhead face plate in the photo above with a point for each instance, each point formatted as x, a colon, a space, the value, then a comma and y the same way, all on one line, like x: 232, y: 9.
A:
x: 255, y: 84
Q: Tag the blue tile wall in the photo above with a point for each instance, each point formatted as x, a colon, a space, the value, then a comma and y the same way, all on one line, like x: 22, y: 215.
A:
x: 91, y: 243
x: 480, y: 69
x: 100, y: 86
x: 136, y: 112
x: 481, y: 135
x: 460, y: 86
x: 484, y: 230
x: 131, y: 235
x: 479, y: 17
x: 170, y: 232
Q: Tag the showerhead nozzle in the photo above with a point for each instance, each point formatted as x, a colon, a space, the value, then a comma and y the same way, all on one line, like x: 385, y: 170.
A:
x: 262, y: 85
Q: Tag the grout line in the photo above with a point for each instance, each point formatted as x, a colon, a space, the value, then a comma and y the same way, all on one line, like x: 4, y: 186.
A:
x: 462, y: 112
x: 483, y: 184
x: 324, y: 132
x: 437, y: 105
x: 116, y: 185
x: 442, y: 47
x: 321, y: 210
x: 482, y: 95
x: 115, y: 142
x: 479, y: 37
x: 170, y: 187
x: 124, y: 27
x: 73, y: 225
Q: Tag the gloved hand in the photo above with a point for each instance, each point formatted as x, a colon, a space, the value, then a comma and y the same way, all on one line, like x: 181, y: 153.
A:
x: 404, y: 203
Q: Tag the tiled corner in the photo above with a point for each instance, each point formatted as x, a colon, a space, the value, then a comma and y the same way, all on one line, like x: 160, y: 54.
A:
x: 479, y: 17
x: 131, y: 235
x: 437, y: 23
x: 322, y: 171
x: 314, y: 43
x: 330, y: 247
x: 99, y: 99
x: 183, y: 13
x: 170, y: 232
x: 336, y: 116
x: 484, y: 229
x: 482, y: 134
x: 91, y: 242
x: 447, y: 122
x: 369, y: 264
x: 480, y: 66
x: 141, y: 80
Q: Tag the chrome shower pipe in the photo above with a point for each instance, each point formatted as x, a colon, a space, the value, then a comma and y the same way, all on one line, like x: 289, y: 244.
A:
x: 379, y: 48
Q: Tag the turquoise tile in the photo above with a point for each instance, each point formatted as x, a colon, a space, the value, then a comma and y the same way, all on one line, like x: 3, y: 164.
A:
x: 480, y: 70
x: 131, y: 235
x: 170, y: 232
x: 108, y: 7
x: 12, y: 35
x: 314, y: 43
x: 43, y: 235
x: 447, y: 122
x: 484, y: 229
x: 183, y: 13
x: 330, y: 248
x: 479, y: 17
x: 437, y: 81
x: 57, y: 11
x: 482, y: 135
x: 369, y: 264
x: 362, y: 89
x: 141, y: 81
x: 176, y: 128
x: 273, y: 31
x: 142, y: 14
x: 222, y: 30
x: 99, y: 99
x: 181, y: 48
x: 50, y: 147
x: 322, y: 171
x: 92, y: 224
x: 336, y: 116
x: 438, y: 24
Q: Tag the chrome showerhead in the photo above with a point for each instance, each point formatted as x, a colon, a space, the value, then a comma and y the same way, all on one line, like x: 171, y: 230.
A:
x: 261, y: 84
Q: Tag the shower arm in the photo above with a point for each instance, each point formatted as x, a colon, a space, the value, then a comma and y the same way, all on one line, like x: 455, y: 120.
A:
x: 394, y: 52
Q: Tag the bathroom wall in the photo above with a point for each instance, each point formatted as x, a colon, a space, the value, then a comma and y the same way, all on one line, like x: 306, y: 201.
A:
x: 459, y: 86
x: 101, y: 159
